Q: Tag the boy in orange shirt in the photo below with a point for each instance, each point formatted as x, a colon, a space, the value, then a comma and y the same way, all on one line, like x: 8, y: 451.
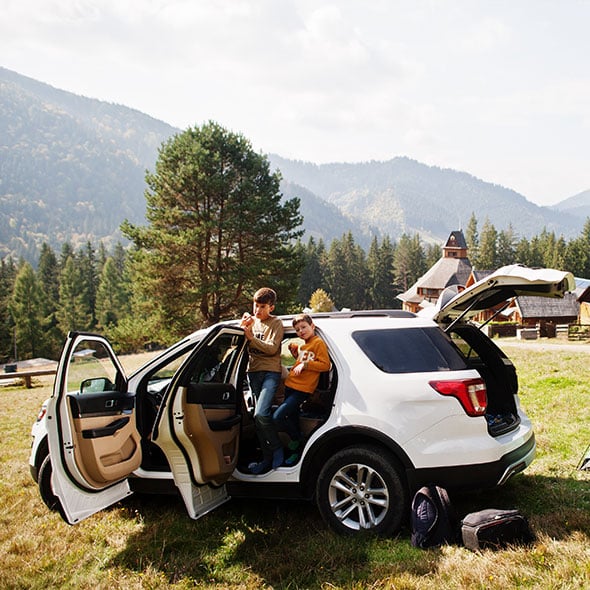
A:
x: 312, y: 359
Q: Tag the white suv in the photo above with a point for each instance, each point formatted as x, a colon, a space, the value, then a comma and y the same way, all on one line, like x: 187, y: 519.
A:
x: 405, y: 403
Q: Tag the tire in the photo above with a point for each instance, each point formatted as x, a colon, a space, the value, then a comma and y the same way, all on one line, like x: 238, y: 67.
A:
x: 45, y: 489
x: 360, y: 489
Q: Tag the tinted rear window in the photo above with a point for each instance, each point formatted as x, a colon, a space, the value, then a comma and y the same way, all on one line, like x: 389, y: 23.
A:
x: 411, y: 350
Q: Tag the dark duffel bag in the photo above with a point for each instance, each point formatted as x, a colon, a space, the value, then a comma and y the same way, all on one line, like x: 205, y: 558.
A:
x: 493, y: 528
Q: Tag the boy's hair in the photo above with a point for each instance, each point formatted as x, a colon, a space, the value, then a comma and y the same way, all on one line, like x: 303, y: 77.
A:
x: 265, y: 295
x: 302, y: 317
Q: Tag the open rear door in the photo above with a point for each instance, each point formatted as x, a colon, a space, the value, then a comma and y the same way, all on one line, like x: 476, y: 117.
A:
x: 456, y: 304
x: 93, y: 440
x: 199, y: 423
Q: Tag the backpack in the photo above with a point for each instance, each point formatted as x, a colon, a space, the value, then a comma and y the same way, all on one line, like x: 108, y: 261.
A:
x: 433, y: 518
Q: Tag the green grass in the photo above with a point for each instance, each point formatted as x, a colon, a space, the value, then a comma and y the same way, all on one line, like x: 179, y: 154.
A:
x: 149, y: 542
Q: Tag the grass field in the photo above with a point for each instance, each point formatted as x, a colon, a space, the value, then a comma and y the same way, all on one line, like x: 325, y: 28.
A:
x: 149, y: 542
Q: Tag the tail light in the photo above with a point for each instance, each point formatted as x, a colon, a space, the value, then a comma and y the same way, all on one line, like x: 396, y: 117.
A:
x: 42, y: 413
x: 471, y: 393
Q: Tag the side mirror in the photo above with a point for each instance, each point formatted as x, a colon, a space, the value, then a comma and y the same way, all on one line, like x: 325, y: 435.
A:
x: 96, y: 385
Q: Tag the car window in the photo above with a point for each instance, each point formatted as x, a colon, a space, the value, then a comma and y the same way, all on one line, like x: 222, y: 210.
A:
x: 91, y: 369
x: 411, y: 350
x: 218, y: 361
x: 159, y: 380
x: 466, y: 349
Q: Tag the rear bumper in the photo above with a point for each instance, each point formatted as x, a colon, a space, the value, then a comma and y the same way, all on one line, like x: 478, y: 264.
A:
x: 476, y: 476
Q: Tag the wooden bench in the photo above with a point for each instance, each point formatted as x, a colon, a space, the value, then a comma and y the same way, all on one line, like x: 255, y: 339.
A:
x: 27, y: 375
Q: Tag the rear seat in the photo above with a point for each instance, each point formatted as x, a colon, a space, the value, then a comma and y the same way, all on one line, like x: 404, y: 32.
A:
x: 317, y: 408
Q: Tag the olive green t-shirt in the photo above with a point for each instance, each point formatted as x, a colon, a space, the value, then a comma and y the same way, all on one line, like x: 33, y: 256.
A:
x: 265, y: 347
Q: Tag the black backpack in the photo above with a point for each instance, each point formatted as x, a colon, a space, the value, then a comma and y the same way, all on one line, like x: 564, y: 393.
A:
x: 433, y: 518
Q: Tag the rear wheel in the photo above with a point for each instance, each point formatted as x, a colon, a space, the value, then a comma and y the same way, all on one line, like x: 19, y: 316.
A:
x: 45, y: 489
x: 359, y: 488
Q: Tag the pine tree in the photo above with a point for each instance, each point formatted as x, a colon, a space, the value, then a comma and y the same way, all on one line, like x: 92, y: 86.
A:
x: 7, y: 278
x: 217, y: 230
x: 506, y: 247
x: 48, y: 278
x: 312, y: 275
x: 522, y: 252
x: 112, y: 297
x: 487, y: 257
x: 408, y: 262
x: 380, y: 275
x: 101, y: 258
x: 345, y: 276
x: 575, y: 258
x: 27, y: 313
x: 73, y: 312
x: 67, y: 251
x: 472, y: 241
x: 585, y: 245
x: 86, y: 262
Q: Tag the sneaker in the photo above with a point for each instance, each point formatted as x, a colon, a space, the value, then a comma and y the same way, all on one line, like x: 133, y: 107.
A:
x: 259, y: 468
x: 277, y: 458
x: 291, y: 459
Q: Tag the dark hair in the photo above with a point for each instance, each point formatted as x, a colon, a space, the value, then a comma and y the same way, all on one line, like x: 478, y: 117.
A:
x: 302, y: 317
x: 265, y: 295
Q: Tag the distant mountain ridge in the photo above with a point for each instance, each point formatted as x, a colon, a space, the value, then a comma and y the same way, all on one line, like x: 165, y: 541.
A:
x: 73, y: 168
x: 403, y: 195
x: 578, y: 205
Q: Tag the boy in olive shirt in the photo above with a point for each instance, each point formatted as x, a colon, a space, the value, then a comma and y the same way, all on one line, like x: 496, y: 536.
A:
x: 264, y: 333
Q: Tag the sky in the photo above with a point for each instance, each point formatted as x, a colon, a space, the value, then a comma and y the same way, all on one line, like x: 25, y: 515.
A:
x: 498, y: 89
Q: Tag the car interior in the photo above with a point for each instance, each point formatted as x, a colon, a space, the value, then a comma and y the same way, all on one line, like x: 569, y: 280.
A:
x: 497, y: 371
x: 222, y: 370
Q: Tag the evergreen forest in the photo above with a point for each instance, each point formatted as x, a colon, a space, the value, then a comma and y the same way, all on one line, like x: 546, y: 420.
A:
x: 92, y: 289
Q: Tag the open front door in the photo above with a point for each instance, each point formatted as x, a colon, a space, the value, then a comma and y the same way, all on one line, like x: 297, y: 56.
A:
x: 93, y: 440
x: 199, y: 425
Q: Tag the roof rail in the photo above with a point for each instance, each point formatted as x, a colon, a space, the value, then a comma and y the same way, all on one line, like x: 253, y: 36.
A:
x: 379, y: 313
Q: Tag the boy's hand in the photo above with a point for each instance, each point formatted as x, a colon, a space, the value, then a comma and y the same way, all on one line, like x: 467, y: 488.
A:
x: 246, y: 323
x: 298, y: 369
x: 247, y: 320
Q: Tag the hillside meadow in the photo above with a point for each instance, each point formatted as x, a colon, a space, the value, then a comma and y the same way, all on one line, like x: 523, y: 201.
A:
x: 149, y: 542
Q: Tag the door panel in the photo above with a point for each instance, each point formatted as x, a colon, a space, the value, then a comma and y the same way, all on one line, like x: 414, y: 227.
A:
x: 93, y: 440
x: 107, y: 445
x: 211, y: 428
x: 200, y: 423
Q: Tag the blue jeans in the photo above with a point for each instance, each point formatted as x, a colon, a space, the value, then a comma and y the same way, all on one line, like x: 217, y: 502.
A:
x: 264, y: 385
x: 286, y: 416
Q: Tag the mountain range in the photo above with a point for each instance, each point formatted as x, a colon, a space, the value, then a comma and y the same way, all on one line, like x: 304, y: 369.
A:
x: 72, y: 169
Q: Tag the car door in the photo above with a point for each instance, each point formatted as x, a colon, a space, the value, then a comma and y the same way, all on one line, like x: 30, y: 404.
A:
x: 456, y: 304
x: 199, y: 424
x: 93, y: 438
x: 93, y: 441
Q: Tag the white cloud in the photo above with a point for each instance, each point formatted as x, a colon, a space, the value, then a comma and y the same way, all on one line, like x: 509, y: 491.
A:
x: 480, y: 86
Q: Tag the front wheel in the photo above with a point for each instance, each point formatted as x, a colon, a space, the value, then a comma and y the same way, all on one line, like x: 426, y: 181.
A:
x: 359, y: 488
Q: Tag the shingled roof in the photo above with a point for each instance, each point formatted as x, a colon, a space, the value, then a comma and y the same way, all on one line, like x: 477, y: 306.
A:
x: 446, y: 272
x: 545, y: 307
x: 456, y: 240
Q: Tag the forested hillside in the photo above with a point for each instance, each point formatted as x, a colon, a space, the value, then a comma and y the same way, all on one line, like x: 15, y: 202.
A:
x: 405, y: 196
x: 72, y: 169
